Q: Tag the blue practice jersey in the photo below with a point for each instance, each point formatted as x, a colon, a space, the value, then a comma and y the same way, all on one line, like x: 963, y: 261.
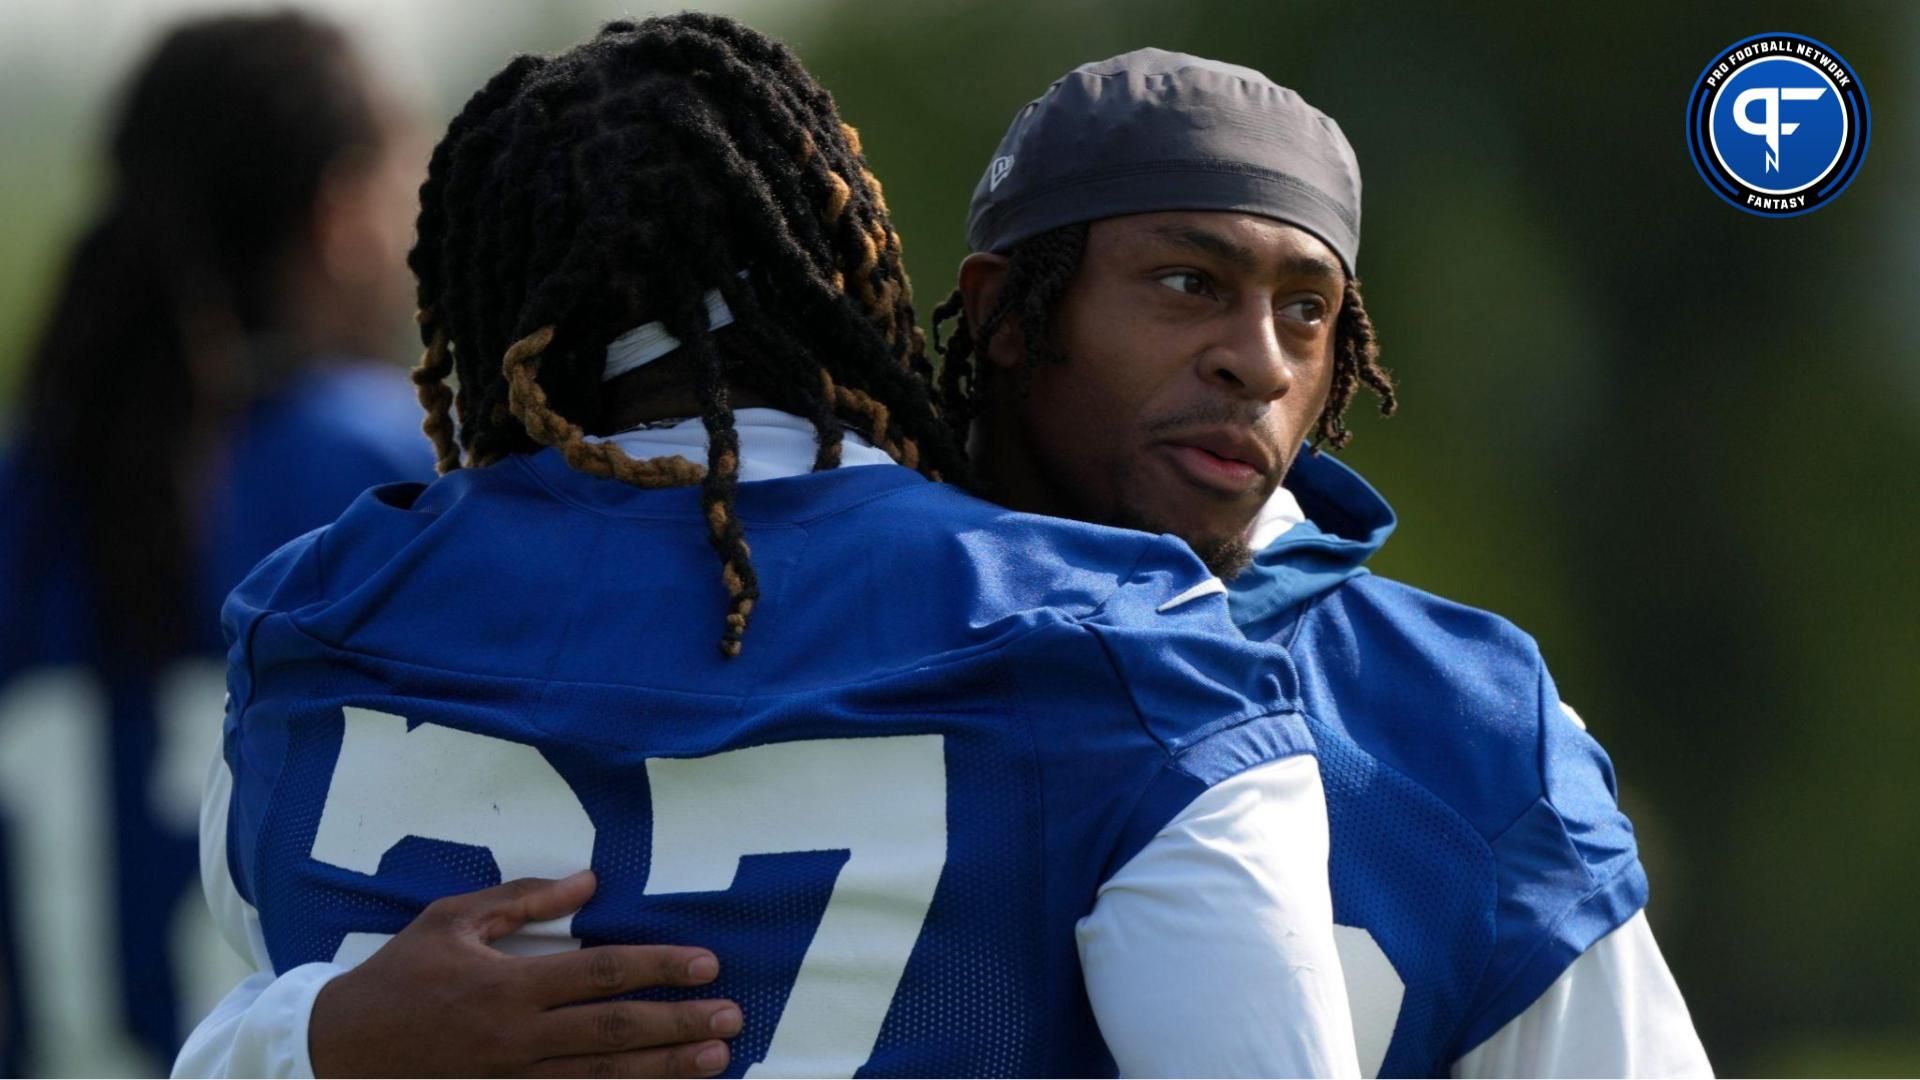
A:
x: 1477, y: 846
x: 96, y: 737
x: 295, y: 459
x: 948, y: 725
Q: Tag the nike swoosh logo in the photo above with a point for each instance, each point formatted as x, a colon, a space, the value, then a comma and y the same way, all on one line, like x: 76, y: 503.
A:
x: 1206, y: 588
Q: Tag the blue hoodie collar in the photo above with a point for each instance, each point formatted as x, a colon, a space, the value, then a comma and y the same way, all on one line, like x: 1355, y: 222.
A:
x: 1347, y: 521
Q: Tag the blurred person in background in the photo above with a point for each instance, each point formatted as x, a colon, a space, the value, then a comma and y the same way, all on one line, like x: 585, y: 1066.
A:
x: 202, y: 391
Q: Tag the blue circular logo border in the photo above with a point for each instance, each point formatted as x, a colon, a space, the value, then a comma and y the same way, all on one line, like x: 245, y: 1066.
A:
x: 1728, y: 187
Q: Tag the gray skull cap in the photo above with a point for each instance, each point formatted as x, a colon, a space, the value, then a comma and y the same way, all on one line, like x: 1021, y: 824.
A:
x: 1152, y: 130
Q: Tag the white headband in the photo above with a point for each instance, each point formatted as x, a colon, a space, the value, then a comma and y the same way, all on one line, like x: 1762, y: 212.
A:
x: 648, y: 342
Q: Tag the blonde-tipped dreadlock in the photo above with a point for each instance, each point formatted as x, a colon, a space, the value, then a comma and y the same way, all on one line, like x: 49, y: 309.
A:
x: 578, y: 196
x: 528, y: 404
x: 430, y: 383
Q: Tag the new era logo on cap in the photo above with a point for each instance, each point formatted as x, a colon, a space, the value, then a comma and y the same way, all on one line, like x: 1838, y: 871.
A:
x: 998, y: 171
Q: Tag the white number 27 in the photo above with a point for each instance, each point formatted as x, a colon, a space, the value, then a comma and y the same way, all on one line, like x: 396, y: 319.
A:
x: 882, y: 800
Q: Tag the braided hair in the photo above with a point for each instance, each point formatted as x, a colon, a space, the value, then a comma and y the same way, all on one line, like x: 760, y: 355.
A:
x: 577, y: 196
x: 1040, y: 269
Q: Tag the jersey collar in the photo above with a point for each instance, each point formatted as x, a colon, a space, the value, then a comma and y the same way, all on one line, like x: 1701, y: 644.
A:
x: 778, y: 483
x: 1341, y: 522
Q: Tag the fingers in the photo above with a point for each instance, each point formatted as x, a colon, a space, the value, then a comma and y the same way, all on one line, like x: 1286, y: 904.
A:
x: 699, y: 1059
x: 619, y: 1027
x: 607, y: 970
x: 494, y: 913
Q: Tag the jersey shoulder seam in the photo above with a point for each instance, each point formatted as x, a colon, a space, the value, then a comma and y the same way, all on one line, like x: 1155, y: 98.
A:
x: 1546, y: 936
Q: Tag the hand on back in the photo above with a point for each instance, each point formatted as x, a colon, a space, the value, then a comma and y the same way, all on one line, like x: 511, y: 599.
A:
x: 440, y: 1000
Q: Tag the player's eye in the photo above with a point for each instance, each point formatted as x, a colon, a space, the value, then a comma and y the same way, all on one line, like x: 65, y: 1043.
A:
x: 1191, y: 282
x: 1310, y: 310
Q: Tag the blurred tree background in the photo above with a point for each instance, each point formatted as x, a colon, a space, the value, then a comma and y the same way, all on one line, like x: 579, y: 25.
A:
x: 1668, y: 438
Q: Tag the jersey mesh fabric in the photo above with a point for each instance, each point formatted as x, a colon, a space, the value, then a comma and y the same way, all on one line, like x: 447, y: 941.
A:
x: 1420, y: 880
x: 1043, y: 677
x: 978, y: 1002
x: 1475, y: 831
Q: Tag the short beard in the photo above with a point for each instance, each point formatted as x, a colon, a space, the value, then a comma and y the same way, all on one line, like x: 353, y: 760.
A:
x: 1227, y: 556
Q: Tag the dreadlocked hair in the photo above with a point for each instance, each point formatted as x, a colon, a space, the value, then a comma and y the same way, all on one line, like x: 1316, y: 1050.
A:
x: 577, y: 196
x: 1040, y: 269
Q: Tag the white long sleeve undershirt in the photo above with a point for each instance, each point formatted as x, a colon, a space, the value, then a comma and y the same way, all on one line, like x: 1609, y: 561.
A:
x: 1615, y: 1011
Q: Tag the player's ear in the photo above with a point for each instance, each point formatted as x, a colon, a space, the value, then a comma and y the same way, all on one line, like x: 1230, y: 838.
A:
x: 982, y: 275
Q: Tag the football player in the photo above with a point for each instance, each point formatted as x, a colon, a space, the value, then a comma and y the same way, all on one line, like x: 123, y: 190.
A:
x: 953, y: 789
x: 1157, y: 221
x: 199, y: 395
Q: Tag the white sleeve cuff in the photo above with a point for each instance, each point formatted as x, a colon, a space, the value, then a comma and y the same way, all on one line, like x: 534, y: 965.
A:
x: 1615, y: 1011
x: 1211, y: 952
x: 258, y: 1029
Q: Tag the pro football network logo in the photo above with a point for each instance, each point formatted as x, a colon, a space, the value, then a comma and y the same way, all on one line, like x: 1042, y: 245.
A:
x: 1778, y: 125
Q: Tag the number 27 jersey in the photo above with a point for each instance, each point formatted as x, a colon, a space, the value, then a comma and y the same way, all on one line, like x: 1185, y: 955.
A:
x: 948, y: 726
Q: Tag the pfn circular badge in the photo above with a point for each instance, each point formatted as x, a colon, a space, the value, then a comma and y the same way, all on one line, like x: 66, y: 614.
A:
x: 1778, y: 125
